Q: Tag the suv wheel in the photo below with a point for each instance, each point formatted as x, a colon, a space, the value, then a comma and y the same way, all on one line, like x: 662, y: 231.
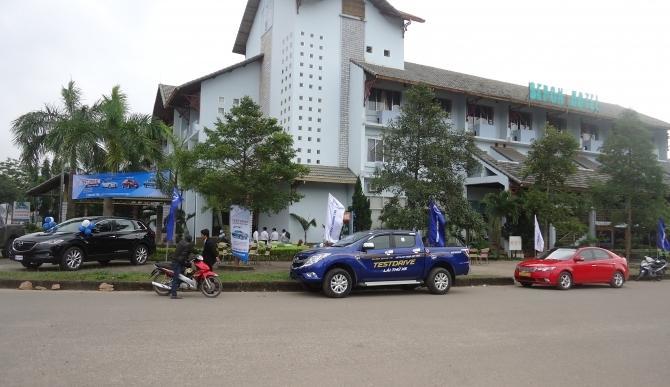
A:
x: 439, y: 281
x: 337, y: 283
x: 140, y: 255
x: 72, y: 259
x: 7, y: 251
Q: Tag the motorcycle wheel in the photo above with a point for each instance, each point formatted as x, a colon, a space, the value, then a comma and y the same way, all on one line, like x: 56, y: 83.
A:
x: 164, y: 279
x: 211, y: 287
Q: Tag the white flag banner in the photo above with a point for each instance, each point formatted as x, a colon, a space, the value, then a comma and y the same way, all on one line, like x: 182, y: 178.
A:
x: 334, y: 220
x: 539, y: 241
x: 240, y: 231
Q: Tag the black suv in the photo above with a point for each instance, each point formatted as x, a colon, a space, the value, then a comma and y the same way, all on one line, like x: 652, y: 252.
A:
x: 112, y: 238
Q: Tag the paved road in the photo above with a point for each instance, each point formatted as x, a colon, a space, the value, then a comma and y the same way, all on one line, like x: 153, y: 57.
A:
x: 474, y: 336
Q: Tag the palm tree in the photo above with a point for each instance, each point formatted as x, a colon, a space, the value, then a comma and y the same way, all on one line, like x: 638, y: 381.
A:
x: 304, y: 223
x: 68, y: 132
x: 499, y: 205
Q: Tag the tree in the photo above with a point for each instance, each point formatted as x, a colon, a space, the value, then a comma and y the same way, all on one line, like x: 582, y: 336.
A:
x: 360, y: 207
x: 498, y: 206
x: 423, y: 159
x: 245, y: 160
x: 635, y: 182
x: 304, y: 223
x: 45, y: 171
x: 550, y: 163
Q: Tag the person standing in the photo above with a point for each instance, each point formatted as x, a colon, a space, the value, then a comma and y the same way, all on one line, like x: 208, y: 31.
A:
x: 210, y: 253
x: 264, y: 235
x: 255, y: 236
x: 274, y: 236
x: 179, y: 260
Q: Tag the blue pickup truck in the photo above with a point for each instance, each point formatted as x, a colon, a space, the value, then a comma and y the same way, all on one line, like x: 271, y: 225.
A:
x: 379, y: 258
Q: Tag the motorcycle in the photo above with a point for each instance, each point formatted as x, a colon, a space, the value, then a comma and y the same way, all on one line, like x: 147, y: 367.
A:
x: 201, y: 278
x: 652, y: 268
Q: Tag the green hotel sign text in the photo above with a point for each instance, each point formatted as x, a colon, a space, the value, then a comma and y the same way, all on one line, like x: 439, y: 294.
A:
x: 576, y: 100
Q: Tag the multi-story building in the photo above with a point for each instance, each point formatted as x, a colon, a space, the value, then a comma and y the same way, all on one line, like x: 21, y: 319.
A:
x: 333, y: 74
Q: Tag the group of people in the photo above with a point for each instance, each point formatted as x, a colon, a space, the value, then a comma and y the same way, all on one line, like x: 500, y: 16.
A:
x: 274, y: 236
x: 184, y: 251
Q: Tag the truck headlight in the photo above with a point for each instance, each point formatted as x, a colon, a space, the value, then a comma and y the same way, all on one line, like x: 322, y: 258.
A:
x: 314, y: 258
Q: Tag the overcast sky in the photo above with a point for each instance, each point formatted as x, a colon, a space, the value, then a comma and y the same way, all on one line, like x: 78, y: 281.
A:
x: 619, y: 50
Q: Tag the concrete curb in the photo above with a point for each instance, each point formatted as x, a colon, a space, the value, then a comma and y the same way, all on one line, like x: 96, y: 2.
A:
x: 241, y: 286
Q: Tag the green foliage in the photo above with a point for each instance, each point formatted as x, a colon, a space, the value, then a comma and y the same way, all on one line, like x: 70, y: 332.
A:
x: 635, y: 183
x: 498, y: 206
x: 550, y: 160
x: 361, y: 209
x: 304, y: 223
x: 14, y: 180
x: 245, y: 160
x: 423, y: 159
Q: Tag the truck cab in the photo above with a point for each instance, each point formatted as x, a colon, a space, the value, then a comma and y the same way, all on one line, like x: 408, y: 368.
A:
x: 379, y: 258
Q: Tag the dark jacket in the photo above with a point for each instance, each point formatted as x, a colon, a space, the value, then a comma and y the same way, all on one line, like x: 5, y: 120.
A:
x: 210, y: 251
x: 182, y: 252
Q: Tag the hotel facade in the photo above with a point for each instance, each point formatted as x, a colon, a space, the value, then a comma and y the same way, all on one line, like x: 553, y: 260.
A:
x: 332, y: 72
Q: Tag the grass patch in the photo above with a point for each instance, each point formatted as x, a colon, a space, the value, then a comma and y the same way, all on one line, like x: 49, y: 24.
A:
x: 106, y: 276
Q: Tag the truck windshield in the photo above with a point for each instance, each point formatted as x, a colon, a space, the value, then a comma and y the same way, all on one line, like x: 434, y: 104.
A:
x: 353, y: 238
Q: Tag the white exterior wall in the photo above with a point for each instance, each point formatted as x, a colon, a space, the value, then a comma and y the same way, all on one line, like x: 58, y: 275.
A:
x: 357, y: 131
x: 383, y: 33
x: 315, y: 205
x: 241, y: 82
x: 262, y: 23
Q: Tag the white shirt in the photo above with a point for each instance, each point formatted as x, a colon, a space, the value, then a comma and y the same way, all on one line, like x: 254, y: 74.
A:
x: 274, y: 236
x: 255, y: 235
x: 264, y: 236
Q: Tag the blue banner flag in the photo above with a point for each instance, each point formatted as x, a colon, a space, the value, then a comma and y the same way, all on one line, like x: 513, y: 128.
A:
x: 661, y: 239
x: 172, y: 216
x: 436, y: 223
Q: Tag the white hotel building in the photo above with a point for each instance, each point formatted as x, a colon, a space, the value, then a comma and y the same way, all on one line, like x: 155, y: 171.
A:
x: 333, y: 74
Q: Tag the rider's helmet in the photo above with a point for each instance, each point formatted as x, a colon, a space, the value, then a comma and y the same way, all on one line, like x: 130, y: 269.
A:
x: 199, y: 257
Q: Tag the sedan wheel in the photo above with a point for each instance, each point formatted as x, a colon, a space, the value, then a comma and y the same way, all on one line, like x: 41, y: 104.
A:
x: 564, y: 281
x: 140, y: 255
x: 617, y: 280
x: 72, y: 259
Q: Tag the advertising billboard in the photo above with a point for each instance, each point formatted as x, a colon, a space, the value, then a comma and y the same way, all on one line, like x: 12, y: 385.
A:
x: 116, y: 185
x: 21, y: 212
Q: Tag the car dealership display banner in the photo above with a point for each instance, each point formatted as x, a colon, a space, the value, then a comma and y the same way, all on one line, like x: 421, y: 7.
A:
x: 240, y: 231
x: 116, y: 185
x: 21, y: 212
x: 334, y: 220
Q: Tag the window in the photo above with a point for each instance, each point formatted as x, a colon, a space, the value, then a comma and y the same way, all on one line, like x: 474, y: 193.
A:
x: 387, y: 52
x: 236, y: 101
x: 124, y: 225
x: 375, y: 150
x: 558, y: 123
x: 104, y: 226
x: 589, y: 132
x: 480, y: 112
x: 404, y: 241
x: 222, y: 100
x: 222, y: 112
x: 368, y: 49
x: 382, y: 242
x: 520, y: 120
x: 380, y: 100
x: 600, y: 254
x: 445, y: 104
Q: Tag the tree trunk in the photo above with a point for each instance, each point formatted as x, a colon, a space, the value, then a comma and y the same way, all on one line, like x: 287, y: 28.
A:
x: 159, y: 224
x: 107, y: 207
x: 629, y: 227
x: 70, y: 210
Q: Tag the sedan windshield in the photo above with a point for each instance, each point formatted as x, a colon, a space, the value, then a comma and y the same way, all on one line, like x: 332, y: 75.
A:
x: 559, y: 254
x: 352, y: 239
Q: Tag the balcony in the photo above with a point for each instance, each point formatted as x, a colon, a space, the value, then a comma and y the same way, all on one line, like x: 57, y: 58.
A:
x: 592, y: 145
x: 482, y: 128
x: 383, y: 117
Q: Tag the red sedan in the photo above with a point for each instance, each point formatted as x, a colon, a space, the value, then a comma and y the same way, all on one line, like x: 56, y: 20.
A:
x: 565, y: 267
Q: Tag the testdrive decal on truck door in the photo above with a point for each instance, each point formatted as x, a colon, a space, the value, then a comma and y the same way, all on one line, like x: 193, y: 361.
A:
x: 395, y: 264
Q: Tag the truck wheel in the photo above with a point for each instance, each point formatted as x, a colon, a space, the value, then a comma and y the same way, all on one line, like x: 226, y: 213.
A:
x: 337, y: 283
x: 439, y: 281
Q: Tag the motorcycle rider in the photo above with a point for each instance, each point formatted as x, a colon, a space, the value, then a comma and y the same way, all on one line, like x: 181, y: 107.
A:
x: 179, y: 260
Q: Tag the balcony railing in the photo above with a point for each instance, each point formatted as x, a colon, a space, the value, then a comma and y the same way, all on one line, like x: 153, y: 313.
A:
x: 383, y: 117
x: 482, y: 128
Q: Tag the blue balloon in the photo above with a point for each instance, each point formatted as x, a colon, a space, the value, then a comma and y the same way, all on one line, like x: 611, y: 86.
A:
x: 82, y: 228
x: 87, y: 232
x: 48, y: 219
